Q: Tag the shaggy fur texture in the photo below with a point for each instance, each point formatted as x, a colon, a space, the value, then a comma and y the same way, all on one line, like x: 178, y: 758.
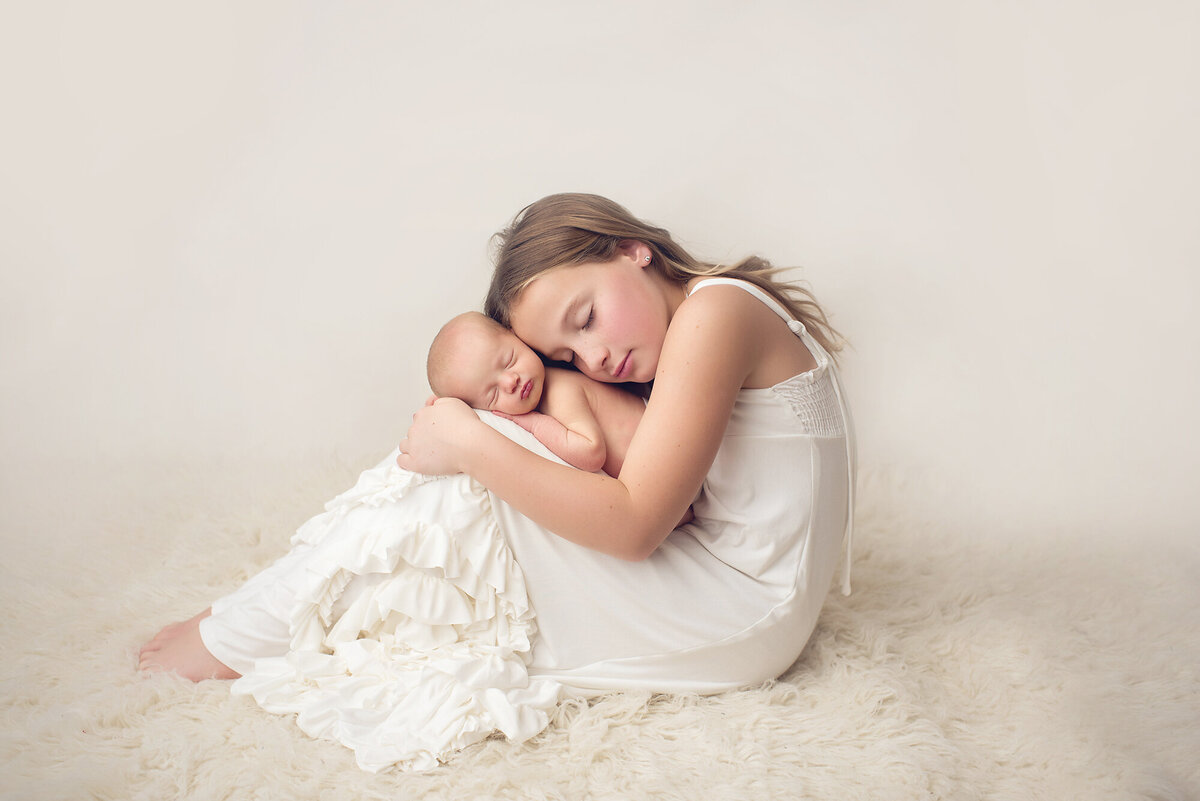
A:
x: 966, y: 665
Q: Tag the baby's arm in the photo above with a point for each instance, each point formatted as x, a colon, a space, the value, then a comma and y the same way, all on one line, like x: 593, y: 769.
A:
x: 569, y: 426
x: 575, y: 448
x: 587, y: 423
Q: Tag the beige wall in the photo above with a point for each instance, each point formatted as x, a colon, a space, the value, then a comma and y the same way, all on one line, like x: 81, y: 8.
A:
x: 228, y: 230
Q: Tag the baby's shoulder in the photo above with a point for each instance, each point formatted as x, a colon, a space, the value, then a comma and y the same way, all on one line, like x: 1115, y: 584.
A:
x: 560, y: 382
x: 557, y: 373
x: 563, y: 385
x: 561, y: 377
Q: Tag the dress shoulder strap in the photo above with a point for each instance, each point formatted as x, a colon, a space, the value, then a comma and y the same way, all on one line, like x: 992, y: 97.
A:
x: 767, y: 300
x: 795, y: 325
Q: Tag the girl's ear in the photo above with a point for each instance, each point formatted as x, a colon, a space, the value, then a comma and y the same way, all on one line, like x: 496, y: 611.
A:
x: 635, y: 250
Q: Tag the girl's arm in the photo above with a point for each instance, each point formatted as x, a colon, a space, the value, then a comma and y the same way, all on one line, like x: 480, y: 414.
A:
x: 714, y: 342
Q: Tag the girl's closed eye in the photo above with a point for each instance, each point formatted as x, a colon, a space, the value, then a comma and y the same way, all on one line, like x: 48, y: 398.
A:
x: 591, y: 316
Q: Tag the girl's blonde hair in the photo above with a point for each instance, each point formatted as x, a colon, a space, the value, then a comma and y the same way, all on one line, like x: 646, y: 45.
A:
x: 572, y: 229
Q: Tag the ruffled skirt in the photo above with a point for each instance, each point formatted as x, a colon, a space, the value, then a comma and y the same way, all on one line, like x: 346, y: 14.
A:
x: 398, y: 625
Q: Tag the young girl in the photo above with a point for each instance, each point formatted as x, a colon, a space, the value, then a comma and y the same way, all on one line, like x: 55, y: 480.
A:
x: 402, y: 621
x: 747, y: 422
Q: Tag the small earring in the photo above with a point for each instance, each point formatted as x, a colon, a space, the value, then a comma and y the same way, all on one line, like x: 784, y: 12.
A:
x: 647, y: 258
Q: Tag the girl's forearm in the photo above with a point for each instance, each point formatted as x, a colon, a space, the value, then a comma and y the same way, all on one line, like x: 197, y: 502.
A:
x: 589, y: 509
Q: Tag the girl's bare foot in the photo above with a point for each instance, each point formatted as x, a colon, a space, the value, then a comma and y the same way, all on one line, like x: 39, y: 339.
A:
x: 179, y: 649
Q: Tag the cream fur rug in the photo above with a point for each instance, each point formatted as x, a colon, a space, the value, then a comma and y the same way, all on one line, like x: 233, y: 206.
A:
x: 966, y: 665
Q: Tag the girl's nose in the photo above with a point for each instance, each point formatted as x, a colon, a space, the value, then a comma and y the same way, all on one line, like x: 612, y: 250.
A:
x: 595, y: 359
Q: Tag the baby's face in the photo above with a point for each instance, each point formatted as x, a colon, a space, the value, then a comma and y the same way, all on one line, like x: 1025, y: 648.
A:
x: 497, y: 371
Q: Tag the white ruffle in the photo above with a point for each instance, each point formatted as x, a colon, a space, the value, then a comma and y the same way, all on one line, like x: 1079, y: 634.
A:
x: 412, y: 632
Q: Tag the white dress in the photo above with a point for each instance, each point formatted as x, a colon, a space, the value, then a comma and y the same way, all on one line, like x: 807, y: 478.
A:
x: 418, y: 614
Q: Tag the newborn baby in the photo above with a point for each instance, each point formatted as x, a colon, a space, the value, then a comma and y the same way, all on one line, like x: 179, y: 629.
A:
x: 586, y: 423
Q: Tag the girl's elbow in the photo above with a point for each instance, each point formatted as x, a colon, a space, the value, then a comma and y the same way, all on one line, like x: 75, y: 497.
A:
x: 639, y: 548
x: 635, y: 555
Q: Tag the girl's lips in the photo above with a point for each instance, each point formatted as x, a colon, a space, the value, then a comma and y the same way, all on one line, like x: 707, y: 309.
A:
x: 525, y: 390
x: 623, y: 368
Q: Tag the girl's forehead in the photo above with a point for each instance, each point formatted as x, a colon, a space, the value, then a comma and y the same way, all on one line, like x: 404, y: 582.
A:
x: 538, y: 315
x: 510, y: 338
x: 555, y: 287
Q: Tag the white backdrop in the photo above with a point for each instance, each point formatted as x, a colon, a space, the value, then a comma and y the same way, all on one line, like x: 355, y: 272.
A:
x: 228, y: 230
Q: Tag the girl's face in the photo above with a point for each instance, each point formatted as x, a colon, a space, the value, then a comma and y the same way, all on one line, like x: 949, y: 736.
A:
x: 609, y: 318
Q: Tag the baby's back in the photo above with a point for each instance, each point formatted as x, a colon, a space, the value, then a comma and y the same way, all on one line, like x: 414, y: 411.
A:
x: 617, y: 411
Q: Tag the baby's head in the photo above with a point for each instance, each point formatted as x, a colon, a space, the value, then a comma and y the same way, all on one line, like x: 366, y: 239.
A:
x: 481, y: 362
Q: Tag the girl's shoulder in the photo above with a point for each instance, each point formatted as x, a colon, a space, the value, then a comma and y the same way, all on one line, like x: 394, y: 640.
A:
x: 724, y: 303
x: 757, y: 331
x: 713, y: 339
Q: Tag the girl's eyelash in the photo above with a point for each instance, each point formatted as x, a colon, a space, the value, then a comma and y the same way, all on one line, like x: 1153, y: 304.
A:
x: 591, y: 316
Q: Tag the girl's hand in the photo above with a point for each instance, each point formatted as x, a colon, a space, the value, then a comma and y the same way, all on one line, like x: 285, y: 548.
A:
x: 438, y: 438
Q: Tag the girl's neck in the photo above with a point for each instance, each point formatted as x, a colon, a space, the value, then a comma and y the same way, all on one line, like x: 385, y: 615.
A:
x: 674, y: 293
